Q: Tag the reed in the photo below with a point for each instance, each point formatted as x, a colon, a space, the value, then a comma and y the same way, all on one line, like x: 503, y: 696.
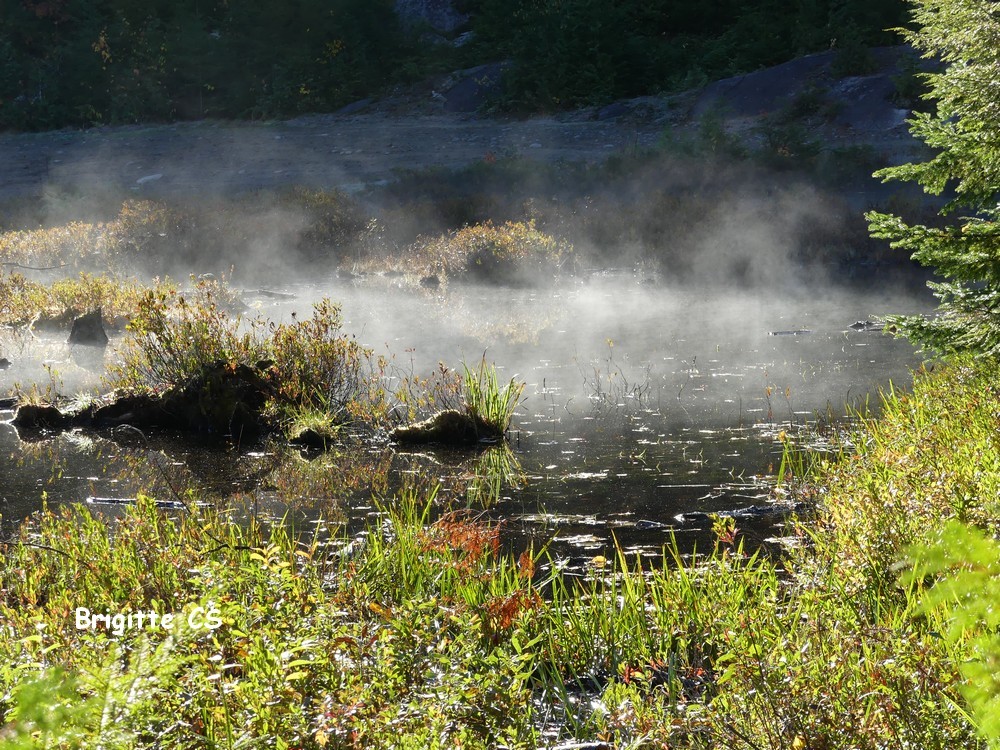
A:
x: 489, y: 402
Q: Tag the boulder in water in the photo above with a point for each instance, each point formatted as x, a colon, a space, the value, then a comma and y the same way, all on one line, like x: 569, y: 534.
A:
x: 866, y: 325
x: 88, y: 330
x: 39, y: 417
x: 450, y: 427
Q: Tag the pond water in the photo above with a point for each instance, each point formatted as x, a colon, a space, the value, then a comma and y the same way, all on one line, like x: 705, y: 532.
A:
x: 645, y: 406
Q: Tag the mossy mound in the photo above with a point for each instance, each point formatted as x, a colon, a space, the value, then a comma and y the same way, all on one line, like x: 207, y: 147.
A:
x: 448, y: 427
x: 224, y: 400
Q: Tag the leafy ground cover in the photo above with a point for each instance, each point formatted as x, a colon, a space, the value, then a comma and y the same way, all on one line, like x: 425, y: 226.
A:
x: 426, y: 632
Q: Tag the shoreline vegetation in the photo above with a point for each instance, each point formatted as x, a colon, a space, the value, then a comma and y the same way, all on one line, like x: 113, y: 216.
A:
x: 874, y: 627
x: 425, y: 632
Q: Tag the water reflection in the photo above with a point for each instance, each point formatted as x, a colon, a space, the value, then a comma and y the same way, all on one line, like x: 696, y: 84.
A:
x: 645, y: 408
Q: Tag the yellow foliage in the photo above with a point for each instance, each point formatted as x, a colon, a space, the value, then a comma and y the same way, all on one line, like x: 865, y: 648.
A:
x: 513, y: 251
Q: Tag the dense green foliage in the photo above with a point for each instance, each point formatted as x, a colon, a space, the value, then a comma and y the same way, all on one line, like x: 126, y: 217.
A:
x: 964, y: 134
x: 84, y: 62
x: 81, y: 62
x: 591, y: 51
x: 969, y: 563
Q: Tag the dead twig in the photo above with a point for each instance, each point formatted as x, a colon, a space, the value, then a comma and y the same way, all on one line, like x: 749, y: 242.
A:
x: 11, y: 264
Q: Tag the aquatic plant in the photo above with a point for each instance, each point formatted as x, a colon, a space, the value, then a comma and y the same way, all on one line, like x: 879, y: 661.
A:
x: 486, y: 400
x: 612, y: 385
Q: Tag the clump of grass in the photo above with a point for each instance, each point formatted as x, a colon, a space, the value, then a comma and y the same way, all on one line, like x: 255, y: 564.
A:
x: 320, y: 423
x: 486, y: 400
x: 611, y: 386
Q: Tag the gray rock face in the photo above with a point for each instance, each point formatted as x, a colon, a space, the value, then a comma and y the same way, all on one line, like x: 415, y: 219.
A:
x: 440, y: 15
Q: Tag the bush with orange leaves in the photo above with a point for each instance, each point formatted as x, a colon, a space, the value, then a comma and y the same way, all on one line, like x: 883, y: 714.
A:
x: 461, y: 542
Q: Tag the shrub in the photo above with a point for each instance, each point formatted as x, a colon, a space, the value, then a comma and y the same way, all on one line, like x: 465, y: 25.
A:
x: 514, y: 252
x: 23, y: 300
x: 192, y: 340
x: 322, y: 368
x: 176, y: 338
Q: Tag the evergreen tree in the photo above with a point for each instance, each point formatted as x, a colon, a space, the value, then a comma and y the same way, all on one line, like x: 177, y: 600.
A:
x: 964, y: 132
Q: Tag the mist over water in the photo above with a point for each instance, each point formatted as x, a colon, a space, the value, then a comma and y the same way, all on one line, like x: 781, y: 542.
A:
x: 650, y: 394
x: 697, y: 350
x: 643, y: 402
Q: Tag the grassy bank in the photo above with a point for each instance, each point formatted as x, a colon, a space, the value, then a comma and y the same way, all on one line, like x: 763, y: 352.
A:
x: 424, y: 633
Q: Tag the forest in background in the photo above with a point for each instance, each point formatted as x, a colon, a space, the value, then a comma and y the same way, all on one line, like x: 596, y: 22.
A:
x: 89, y: 62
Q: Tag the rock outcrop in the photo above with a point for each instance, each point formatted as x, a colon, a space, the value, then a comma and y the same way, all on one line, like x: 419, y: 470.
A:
x: 88, y: 330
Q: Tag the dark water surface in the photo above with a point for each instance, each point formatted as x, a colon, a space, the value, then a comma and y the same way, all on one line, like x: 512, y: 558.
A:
x: 644, y: 407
